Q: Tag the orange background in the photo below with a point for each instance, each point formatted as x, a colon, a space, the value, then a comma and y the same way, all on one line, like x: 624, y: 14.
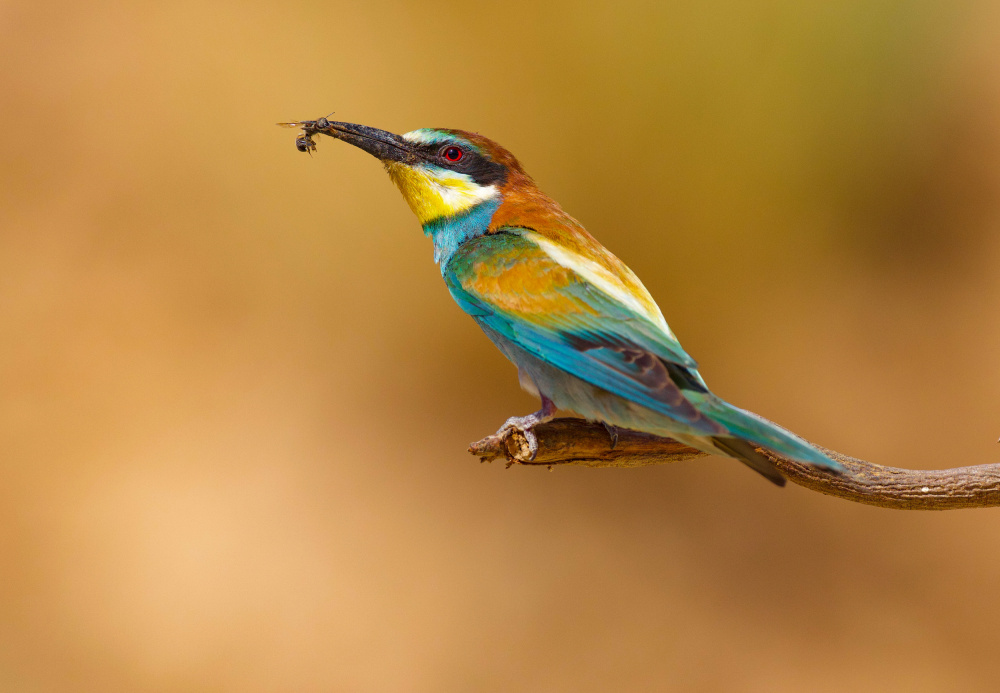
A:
x: 235, y: 396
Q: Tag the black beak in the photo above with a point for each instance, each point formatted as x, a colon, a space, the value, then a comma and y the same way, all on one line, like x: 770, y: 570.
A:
x: 379, y: 143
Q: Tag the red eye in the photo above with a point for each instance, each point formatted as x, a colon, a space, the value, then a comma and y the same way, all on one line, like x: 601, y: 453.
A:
x: 453, y: 154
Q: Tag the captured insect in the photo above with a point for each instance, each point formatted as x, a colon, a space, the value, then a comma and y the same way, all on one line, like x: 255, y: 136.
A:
x: 305, y: 142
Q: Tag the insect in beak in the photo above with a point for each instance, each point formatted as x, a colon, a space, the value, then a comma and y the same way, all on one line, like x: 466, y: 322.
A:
x: 305, y: 142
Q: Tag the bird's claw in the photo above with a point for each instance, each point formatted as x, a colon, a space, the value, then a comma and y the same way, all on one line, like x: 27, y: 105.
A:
x: 612, y: 433
x: 525, y: 426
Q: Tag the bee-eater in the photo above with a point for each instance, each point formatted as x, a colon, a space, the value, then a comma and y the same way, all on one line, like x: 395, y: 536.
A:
x: 581, y: 328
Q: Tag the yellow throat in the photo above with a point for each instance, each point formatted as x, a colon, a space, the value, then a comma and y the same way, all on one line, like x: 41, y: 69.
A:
x: 434, y: 192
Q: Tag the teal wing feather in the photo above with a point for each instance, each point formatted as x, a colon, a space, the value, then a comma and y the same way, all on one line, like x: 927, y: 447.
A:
x: 517, y: 290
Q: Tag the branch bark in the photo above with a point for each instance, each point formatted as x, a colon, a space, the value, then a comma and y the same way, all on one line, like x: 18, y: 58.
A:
x: 578, y: 442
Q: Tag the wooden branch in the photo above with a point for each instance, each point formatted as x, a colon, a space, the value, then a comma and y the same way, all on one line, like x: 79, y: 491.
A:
x: 578, y: 442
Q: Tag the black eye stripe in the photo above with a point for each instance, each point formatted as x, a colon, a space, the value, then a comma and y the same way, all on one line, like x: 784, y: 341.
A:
x: 478, y: 166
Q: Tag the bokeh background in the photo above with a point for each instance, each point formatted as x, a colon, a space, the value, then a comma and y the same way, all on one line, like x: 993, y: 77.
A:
x: 235, y: 396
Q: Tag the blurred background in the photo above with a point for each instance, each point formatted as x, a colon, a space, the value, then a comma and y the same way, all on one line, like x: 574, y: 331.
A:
x: 235, y: 396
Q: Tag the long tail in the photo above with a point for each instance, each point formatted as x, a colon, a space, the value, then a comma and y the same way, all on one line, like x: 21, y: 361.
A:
x: 745, y: 453
x: 749, y: 430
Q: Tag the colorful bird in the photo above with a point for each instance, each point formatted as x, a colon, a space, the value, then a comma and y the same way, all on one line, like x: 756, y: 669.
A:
x: 581, y: 328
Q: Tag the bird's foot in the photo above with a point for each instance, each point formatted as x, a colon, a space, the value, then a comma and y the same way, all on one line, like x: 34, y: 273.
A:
x: 612, y: 433
x: 525, y: 426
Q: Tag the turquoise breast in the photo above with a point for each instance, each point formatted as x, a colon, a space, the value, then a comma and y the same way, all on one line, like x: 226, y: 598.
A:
x: 448, y: 233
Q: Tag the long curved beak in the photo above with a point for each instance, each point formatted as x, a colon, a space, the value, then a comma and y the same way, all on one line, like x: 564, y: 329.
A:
x: 379, y: 143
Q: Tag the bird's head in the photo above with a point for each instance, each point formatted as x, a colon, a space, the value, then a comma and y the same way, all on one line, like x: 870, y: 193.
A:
x: 441, y: 173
